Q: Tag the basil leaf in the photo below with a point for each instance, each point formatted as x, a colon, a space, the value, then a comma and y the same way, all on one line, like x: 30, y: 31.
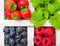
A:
x: 54, y: 23
x: 37, y: 17
x: 51, y: 8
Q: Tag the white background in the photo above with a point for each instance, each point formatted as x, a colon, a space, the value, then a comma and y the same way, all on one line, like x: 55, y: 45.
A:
x: 21, y: 23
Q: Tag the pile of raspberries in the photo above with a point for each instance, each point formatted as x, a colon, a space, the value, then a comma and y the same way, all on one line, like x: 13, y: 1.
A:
x: 44, y: 36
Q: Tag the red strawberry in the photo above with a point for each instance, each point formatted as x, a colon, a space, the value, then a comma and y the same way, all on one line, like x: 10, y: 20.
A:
x: 26, y: 14
x: 16, y: 15
x: 37, y: 40
x: 7, y: 14
x: 10, y: 5
x: 46, y: 41
x: 22, y: 3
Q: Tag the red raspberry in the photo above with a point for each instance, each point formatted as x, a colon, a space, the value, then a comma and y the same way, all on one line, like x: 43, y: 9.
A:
x: 46, y: 41
x: 48, y: 32
x: 39, y: 31
x: 37, y: 40
x: 53, y: 39
x: 52, y: 45
x: 39, y: 45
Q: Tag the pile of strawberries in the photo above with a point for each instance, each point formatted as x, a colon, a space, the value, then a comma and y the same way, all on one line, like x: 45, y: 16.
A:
x: 45, y: 36
x: 16, y: 9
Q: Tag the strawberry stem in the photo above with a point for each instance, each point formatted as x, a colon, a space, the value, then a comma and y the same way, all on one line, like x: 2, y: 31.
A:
x: 13, y: 6
x: 14, y: 17
x: 5, y: 17
x: 23, y: 8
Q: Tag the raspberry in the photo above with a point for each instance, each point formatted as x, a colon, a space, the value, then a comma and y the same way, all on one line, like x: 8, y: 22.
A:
x: 48, y: 32
x: 52, y: 45
x: 39, y: 31
x: 39, y: 45
x: 53, y: 39
x: 37, y: 40
x: 46, y: 41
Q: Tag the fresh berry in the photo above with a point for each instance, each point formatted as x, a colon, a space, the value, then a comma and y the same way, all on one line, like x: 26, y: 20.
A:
x: 24, y: 28
x: 26, y: 14
x: 7, y: 36
x: 18, y: 36
x: 53, y: 39
x: 12, y: 32
x: 48, y: 32
x: 6, y: 30
x: 6, y: 41
x: 46, y: 41
x: 37, y: 40
x: 7, y: 14
x: 23, y: 41
x: 7, y: 44
x: 10, y: 5
x: 22, y: 3
x: 24, y: 34
x: 17, y: 40
x: 18, y: 30
x: 11, y: 41
x: 39, y: 31
x: 16, y: 15
x: 18, y: 45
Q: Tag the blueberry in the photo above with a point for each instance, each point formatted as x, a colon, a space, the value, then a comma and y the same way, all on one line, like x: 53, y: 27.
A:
x: 6, y: 41
x: 18, y: 30
x: 12, y: 32
x: 24, y: 28
x: 18, y: 45
x: 17, y: 40
x: 6, y: 30
x: 11, y: 27
x: 7, y: 44
x: 11, y: 41
x: 23, y: 41
x: 24, y: 34
x: 24, y: 44
x: 7, y: 36
x: 18, y: 36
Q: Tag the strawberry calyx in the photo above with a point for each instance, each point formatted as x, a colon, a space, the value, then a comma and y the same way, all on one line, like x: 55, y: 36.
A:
x: 23, y: 8
x: 14, y: 17
x: 5, y: 17
x: 13, y: 6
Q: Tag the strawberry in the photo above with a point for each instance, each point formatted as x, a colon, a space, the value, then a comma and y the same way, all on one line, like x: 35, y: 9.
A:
x: 10, y: 5
x: 37, y: 40
x: 16, y: 15
x: 46, y: 41
x: 26, y: 14
x: 22, y: 3
x: 7, y: 14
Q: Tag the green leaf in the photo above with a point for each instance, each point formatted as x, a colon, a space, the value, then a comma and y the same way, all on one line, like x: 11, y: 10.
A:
x: 57, y: 5
x: 51, y: 8
x: 37, y: 17
x: 35, y: 3
x: 54, y: 23
x: 57, y: 16
x: 39, y: 23
x: 46, y: 14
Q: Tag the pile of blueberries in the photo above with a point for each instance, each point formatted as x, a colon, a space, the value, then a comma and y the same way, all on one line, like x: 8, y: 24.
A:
x: 15, y: 36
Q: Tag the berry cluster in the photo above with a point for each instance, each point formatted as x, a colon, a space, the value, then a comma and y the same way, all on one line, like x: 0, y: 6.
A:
x: 44, y: 36
x: 17, y: 9
x: 15, y: 36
